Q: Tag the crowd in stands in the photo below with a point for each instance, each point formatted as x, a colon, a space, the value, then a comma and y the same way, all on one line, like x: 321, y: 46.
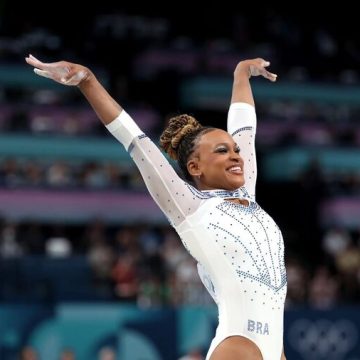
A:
x: 148, y: 265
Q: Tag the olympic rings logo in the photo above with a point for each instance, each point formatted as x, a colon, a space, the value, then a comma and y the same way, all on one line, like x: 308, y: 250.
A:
x: 323, y: 339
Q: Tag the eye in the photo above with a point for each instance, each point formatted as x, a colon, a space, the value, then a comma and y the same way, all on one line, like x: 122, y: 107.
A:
x: 237, y: 149
x: 221, y: 150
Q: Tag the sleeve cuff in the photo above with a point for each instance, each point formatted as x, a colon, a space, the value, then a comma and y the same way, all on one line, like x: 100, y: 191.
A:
x: 124, y: 129
x: 241, y: 105
x: 241, y: 115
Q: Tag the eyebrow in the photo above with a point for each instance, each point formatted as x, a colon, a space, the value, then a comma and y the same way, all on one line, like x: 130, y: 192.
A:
x: 226, y: 144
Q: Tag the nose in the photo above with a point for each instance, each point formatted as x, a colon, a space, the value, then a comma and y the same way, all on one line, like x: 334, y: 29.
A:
x: 235, y: 156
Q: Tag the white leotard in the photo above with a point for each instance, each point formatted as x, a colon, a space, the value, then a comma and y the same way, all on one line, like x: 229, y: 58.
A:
x: 239, y: 249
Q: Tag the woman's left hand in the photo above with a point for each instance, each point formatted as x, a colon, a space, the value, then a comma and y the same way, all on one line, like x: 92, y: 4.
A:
x: 256, y: 67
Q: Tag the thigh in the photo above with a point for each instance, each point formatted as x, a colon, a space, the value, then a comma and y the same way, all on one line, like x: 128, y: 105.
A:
x: 236, y: 348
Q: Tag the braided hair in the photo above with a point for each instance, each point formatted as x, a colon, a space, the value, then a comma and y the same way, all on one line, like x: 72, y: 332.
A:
x: 180, y: 138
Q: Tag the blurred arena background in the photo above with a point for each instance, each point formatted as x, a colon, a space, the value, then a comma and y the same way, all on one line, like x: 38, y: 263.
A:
x: 89, y: 267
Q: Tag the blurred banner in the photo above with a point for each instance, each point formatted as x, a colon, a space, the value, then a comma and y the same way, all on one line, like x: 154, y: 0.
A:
x: 323, y: 335
x: 161, y: 334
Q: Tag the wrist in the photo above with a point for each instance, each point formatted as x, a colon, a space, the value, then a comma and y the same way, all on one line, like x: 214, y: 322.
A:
x: 242, y: 70
x: 88, y: 79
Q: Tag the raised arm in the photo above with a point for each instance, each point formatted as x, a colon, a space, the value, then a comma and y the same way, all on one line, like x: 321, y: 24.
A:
x: 242, y: 117
x: 241, y: 91
x: 175, y: 198
x: 66, y: 73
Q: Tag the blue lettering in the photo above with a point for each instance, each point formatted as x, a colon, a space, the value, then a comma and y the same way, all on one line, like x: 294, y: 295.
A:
x: 251, y: 325
x: 258, y: 327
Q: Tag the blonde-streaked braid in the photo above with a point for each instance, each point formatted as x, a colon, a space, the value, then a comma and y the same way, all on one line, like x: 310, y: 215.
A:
x: 179, y: 139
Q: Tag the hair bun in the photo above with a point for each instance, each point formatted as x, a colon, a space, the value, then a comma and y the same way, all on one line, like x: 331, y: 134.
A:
x: 178, y: 127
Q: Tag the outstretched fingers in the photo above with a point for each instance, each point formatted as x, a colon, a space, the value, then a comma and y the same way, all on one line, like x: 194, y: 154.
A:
x: 33, y: 61
x: 258, y: 67
x: 269, y: 75
x: 43, y: 73
x: 265, y: 73
x: 50, y: 67
x: 62, y: 71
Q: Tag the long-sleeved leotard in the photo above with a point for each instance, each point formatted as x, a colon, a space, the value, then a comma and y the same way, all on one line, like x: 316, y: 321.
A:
x: 239, y: 248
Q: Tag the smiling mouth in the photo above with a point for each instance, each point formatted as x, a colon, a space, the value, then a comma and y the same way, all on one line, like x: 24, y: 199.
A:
x: 235, y: 170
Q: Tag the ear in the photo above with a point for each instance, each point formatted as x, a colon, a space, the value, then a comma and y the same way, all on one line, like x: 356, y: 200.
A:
x: 193, y: 167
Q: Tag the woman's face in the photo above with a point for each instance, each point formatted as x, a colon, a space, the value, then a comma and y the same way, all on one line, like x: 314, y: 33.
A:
x: 216, y: 162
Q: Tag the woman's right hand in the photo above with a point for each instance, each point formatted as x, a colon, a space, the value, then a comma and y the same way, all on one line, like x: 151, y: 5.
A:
x: 63, y: 72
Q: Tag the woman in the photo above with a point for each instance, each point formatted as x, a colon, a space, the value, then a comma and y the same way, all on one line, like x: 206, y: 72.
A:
x: 237, y: 245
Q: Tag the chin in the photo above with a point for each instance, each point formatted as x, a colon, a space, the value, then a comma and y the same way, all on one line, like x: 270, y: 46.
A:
x: 234, y: 186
